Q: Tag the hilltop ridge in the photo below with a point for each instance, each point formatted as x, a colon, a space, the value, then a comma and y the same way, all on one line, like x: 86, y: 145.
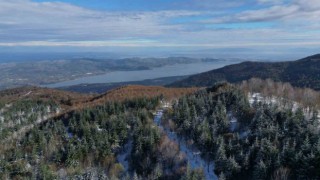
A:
x: 300, y: 73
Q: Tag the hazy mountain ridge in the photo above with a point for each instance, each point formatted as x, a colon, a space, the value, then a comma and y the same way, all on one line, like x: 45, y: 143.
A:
x: 17, y: 74
x: 103, y: 87
x: 301, y: 73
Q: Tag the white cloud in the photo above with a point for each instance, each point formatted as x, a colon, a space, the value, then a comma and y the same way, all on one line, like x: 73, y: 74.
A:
x: 308, y: 5
x: 54, y: 24
x: 299, y: 13
x: 22, y: 20
x: 270, y: 1
x: 268, y: 14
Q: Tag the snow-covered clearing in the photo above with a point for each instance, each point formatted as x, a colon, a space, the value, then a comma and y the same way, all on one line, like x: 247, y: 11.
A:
x: 28, y: 93
x: 123, y: 156
x: 193, y: 155
x: 281, y: 102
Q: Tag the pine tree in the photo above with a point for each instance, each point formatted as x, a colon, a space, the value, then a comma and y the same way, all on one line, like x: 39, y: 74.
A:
x: 222, y: 176
x: 260, y: 171
x: 135, y: 176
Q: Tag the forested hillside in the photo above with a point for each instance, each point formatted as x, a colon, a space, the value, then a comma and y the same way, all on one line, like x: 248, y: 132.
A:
x: 23, y: 108
x: 254, y: 130
x: 257, y: 140
x: 300, y: 73
x: 90, y: 139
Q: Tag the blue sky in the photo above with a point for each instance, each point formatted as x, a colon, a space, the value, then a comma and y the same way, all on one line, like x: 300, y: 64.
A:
x: 216, y: 28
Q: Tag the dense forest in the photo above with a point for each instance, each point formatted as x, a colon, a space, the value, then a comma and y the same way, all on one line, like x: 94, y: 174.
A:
x: 85, y: 144
x: 113, y: 138
x: 252, y: 141
x: 259, y: 129
x: 301, y: 73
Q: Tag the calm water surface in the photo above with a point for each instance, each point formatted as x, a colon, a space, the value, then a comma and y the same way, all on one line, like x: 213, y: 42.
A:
x: 139, y: 75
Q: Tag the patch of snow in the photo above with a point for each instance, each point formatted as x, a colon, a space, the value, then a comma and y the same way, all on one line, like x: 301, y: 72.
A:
x: 244, y: 134
x: 281, y: 102
x: 165, y: 104
x: 69, y: 133
x: 28, y: 93
x: 48, y: 109
x: 99, y: 129
x: 122, y: 157
x: 234, y: 124
x: 254, y: 97
x: 193, y: 154
x: 58, y: 110
x: 28, y: 166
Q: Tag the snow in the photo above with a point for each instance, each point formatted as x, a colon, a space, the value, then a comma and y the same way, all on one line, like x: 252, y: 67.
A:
x: 257, y: 97
x: 233, y: 122
x: 244, y: 134
x: 122, y: 157
x: 165, y: 104
x: 28, y: 93
x: 282, y: 102
x: 193, y: 155
x: 8, y: 105
x: 70, y: 134
x: 234, y: 125
x: 48, y: 109
x: 254, y: 97
x: 98, y: 128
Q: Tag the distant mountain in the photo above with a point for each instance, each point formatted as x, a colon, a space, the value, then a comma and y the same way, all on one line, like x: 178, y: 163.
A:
x: 103, y: 87
x: 301, y: 73
x: 17, y: 74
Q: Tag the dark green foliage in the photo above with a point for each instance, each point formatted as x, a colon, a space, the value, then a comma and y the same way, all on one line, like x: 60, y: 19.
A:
x: 270, y: 141
x: 85, y: 143
x: 144, y: 156
x: 192, y: 175
x: 84, y: 139
x: 16, y: 115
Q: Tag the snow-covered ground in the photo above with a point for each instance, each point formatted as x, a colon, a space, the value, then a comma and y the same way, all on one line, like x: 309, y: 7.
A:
x: 233, y: 122
x: 123, y: 156
x: 234, y: 125
x: 257, y: 97
x: 281, y: 102
x: 193, y: 154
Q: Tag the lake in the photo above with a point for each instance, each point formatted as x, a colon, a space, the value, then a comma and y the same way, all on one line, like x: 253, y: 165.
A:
x: 139, y: 75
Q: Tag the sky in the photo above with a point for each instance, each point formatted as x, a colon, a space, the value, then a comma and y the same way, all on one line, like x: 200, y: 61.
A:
x: 209, y: 28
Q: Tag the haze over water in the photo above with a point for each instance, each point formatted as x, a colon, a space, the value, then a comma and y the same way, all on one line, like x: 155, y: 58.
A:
x: 139, y: 75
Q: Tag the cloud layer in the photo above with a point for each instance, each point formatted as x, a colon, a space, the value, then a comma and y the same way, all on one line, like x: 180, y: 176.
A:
x: 195, y: 23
